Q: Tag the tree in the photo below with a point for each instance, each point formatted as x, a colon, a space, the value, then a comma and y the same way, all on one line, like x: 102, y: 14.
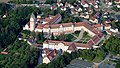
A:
x: 13, y: 24
x: 62, y: 37
x: 52, y: 37
x: 4, y: 8
x: 51, y: 1
x: 20, y: 56
x: 26, y: 32
x: 43, y: 65
x: 118, y: 64
x: 21, y: 1
x: 67, y: 58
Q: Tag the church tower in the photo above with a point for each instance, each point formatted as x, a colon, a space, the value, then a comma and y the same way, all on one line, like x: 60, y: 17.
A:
x: 32, y: 22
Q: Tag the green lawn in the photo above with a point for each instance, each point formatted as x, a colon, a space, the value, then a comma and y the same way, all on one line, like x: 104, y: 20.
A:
x: 98, y: 59
x: 85, y: 38
x: 69, y: 38
x: 73, y: 36
x: 76, y: 33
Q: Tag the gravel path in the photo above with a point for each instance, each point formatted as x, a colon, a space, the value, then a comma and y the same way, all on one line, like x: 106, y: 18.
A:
x: 80, y: 36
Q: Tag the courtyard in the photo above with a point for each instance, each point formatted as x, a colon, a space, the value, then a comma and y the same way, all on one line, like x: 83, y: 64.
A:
x: 77, y: 36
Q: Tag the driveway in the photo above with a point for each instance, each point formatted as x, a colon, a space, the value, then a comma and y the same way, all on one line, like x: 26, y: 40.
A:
x: 40, y: 59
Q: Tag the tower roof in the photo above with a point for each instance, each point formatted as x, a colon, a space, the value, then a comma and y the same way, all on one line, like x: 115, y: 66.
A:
x: 32, y: 16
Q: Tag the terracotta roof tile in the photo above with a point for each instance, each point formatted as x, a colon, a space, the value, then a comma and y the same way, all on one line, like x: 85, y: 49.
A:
x: 52, y: 54
x: 4, y: 52
x: 39, y: 26
x: 117, y: 0
x: 96, y: 15
x: 97, y: 25
x: 68, y: 43
x: 52, y: 19
x: 67, y: 24
x: 95, y: 39
x: 82, y: 45
x: 93, y: 2
x: 90, y: 43
x: 72, y: 47
x: 83, y: 2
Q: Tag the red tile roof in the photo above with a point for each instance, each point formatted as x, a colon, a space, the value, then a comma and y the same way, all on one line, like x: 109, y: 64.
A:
x: 96, y: 15
x: 97, y: 25
x: 95, y: 39
x: 96, y: 31
x: 46, y: 51
x: 4, y: 52
x: 90, y: 43
x: 52, y: 19
x: 117, y: 0
x: 83, y: 2
x: 67, y: 24
x: 93, y: 2
x: 85, y: 24
x: 69, y: 43
x: 108, y: 1
x: 39, y: 26
x: 82, y: 45
x: 72, y: 47
x: 100, y: 35
x: 66, y: 3
x: 28, y: 24
x: 52, y: 54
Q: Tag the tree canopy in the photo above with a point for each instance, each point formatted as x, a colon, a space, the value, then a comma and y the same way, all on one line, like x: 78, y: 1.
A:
x: 21, y: 1
x: 13, y: 24
x: 20, y: 54
x: 4, y: 8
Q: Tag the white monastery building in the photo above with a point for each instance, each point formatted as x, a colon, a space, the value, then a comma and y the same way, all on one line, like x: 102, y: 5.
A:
x: 70, y: 27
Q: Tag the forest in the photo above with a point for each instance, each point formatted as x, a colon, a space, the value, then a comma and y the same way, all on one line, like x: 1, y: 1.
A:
x: 63, y: 1
x: 15, y: 19
x: 20, y: 54
x: 21, y: 1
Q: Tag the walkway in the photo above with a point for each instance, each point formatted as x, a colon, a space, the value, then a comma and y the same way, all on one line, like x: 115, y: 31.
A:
x: 80, y: 36
x: 40, y: 59
x: 74, y: 35
x: 106, y: 58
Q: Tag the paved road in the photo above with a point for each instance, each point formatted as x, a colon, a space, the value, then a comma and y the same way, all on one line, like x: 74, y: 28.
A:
x: 40, y: 56
x: 77, y: 63
x: 116, y: 57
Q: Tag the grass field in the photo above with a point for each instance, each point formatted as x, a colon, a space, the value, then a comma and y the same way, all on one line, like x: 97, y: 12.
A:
x: 5, y: 1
